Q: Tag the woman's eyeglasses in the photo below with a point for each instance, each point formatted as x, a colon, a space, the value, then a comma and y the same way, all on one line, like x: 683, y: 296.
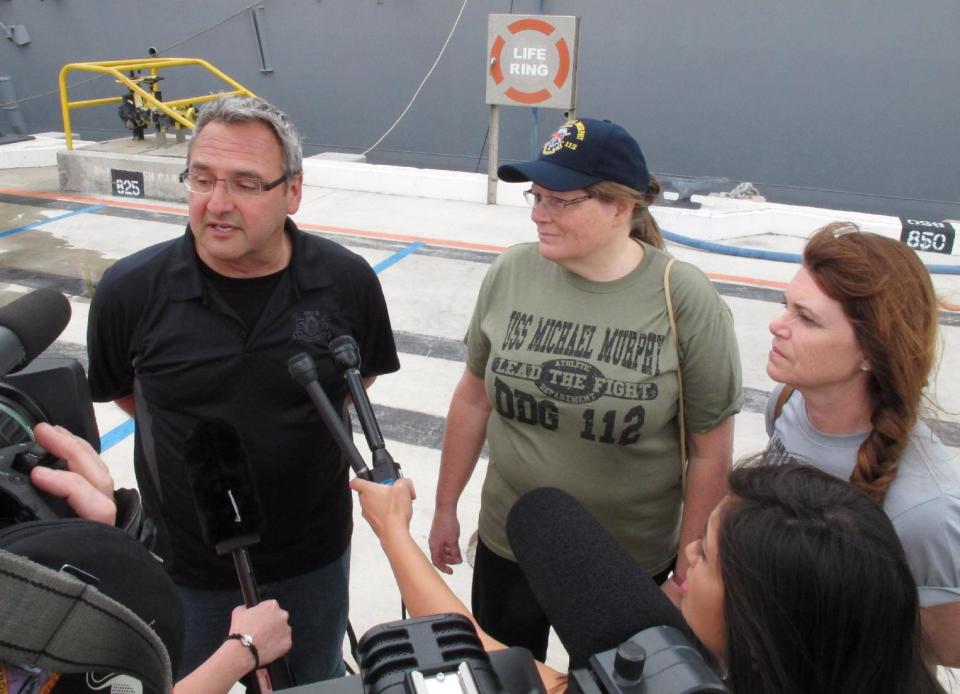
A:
x: 552, y: 202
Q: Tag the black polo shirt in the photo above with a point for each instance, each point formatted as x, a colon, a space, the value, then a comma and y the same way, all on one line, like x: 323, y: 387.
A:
x: 158, y: 330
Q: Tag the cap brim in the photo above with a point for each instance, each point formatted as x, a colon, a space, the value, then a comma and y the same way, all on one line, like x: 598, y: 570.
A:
x: 546, y: 175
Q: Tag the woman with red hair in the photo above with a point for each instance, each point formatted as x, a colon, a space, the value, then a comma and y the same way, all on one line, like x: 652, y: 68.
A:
x: 854, y: 349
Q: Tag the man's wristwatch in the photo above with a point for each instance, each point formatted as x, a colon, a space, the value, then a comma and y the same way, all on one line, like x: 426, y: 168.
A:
x: 247, y: 641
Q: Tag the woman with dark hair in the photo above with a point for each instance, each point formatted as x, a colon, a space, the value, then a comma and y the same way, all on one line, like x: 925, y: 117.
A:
x: 798, y: 585
x: 854, y: 348
x: 574, y: 357
x: 818, y: 596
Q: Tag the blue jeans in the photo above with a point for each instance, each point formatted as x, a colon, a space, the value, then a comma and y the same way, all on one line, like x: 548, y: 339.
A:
x: 317, y: 601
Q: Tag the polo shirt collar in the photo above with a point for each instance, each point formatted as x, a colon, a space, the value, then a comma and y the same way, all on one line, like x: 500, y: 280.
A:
x: 309, y: 267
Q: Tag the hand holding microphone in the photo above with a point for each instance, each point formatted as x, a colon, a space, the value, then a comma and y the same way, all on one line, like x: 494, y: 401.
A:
x: 231, y: 519
x: 385, y: 506
x: 267, y: 623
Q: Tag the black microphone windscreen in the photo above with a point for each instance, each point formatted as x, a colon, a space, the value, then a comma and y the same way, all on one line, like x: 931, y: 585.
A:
x: 345, y: 352
x: 37, y: 319
x: 223, y: 486
x: 592, y: 591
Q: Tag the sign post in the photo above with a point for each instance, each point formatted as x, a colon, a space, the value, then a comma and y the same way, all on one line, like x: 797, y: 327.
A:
x: 493, y: 154
x: 532, y: 61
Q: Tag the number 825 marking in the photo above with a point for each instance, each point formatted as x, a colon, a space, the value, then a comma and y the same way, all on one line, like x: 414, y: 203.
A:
x: 127, y: 187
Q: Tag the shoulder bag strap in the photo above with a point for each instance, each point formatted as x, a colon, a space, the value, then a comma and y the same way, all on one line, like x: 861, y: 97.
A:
x: 781, y: 401
x: 676, y: 342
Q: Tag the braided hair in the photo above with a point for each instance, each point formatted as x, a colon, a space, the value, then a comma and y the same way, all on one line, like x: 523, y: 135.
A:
x: 887, y: 296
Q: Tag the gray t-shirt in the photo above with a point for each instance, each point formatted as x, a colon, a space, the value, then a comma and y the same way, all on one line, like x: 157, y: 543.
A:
x: 923, y: 502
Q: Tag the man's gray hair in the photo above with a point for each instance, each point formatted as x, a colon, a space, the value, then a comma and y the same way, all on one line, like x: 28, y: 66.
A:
x: 248, y: 109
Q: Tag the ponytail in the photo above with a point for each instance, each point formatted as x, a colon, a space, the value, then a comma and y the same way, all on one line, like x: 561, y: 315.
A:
x: 643, y: 226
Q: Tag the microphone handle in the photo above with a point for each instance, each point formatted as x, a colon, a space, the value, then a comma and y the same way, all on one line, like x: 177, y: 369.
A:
x: 248, y: 583
x: 368, y: 421
x: 277, y: 674
x: 336, y: 428
x: 385, y: 469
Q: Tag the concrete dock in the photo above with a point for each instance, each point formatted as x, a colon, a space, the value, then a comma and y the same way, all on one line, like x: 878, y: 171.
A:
x: 431, y: 255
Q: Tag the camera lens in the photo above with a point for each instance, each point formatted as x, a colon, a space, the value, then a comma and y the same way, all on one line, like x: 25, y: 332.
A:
x: 18, y: 415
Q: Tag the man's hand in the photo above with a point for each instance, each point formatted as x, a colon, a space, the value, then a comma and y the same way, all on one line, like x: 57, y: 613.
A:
x: 86, y: 484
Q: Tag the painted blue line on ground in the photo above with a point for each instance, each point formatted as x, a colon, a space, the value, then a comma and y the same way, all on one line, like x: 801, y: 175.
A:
x: 116, y: 435
x: 397, y: 257
x: 25, y: 227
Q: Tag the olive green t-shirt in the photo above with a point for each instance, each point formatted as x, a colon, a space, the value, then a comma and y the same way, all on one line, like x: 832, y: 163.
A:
x: 582, y: 379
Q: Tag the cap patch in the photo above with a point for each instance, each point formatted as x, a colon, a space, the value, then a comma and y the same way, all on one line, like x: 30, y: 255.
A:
x: 567, y: 136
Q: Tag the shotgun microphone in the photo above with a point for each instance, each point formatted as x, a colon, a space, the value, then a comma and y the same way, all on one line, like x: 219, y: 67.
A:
x: 592, y: 591
x: 30, y: 324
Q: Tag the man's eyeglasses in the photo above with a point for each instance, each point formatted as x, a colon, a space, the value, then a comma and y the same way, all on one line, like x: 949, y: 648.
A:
x: 552, y: 202
x: 238, y: 187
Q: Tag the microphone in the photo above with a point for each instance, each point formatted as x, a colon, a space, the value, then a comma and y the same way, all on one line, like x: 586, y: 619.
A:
x: 231, y: 518
x: 346, y: 355
x: 223, y: 489
x: 30, y: 324
x: 592, y: 591
x: 304, y: 371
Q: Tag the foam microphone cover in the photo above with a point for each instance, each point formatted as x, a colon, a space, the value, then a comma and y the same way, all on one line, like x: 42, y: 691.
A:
x: 37, y: 319
x: 223, y: 486
x: 592, y: 591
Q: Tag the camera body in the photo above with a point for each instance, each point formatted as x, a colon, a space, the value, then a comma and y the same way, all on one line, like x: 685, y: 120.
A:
x: 53, y: 390
x: 654, y: 661
x: 438, y: 654
x: 442, y: 654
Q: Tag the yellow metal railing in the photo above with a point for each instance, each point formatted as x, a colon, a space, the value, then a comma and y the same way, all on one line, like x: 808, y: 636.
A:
x: 177, y: 110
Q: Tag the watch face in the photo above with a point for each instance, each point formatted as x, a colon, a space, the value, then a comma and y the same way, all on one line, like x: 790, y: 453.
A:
x: 246, y: 640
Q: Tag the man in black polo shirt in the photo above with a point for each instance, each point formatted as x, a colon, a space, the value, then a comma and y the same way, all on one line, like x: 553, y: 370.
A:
x: 201, y: 327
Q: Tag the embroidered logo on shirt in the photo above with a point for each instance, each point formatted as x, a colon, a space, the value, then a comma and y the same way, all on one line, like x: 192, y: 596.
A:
x: 311, y: 326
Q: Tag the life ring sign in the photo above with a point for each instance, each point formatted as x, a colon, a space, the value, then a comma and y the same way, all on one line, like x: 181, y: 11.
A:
x: 532, y: 60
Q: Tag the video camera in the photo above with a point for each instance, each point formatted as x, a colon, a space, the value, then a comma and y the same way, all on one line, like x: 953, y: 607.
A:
x: 52, y: 390
x: 439, y: 654
x: 442, y: 654
x: 654, y: 661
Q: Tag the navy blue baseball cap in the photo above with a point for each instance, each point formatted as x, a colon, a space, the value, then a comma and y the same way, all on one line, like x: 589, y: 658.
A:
x: 581, y: 153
